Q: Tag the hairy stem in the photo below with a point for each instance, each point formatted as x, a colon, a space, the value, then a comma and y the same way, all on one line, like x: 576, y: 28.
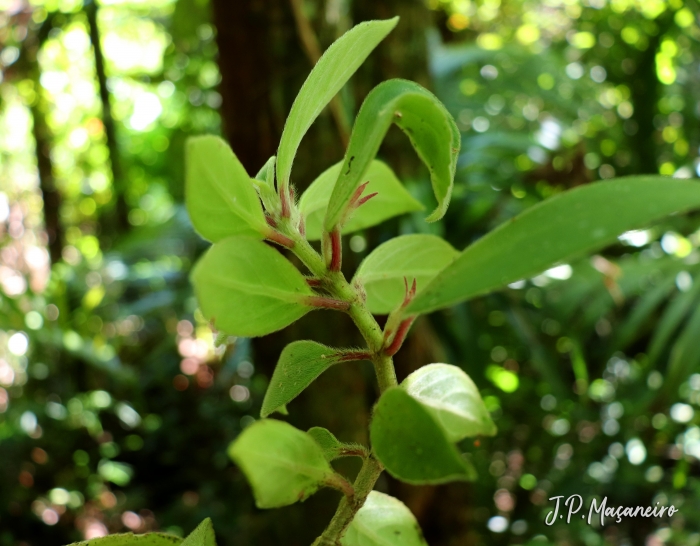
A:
x: 339, y: 288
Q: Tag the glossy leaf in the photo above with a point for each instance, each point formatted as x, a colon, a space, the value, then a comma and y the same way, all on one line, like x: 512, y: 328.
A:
x: 382, y: 273
x: 203, y: 535
x: 391, y: 200
x: 130, y: 539
x: 383, y: 521
x: 581, y: 220
x: 411, y: 444
x: 299, y: 364
x: 246, y: 288
x: 284, y: 465
x: 452, y: 398
x: 220, y: 198
x: 429, y: 127
x: 332, y: 71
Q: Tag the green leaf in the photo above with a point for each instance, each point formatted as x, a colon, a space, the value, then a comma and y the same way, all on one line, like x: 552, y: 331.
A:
x: 299, y: 364
x: 685, y: 355
x: 130, y: 539
x: 332, y: 447
x: 577, y: 221
x: 264, y: 183
x: 429, y: 127
x: 203, y: 535
x: 452, y: 398
x: 220, y: 199
x: 383, y: 521
x: 411, y: 256
x: 392, y: 200
x: 674, y: 314
x: 332, y: 71
x: 246, y: 288
x: 284, y: 465
x: 411, y: 444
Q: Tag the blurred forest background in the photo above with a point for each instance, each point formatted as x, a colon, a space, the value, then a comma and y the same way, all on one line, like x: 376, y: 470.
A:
x: 115, y: 408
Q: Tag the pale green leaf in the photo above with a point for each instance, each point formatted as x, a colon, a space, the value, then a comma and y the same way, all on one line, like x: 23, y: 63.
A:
x: 299, y: 364
x: 577, y: 221
x: 246, y: 288
x: 411, y: 444
x: 332, y: 71
x: 264, y: 183
x: 429, y: 127
x: 284, y: 465
x: 391, y: 200
x: 383, y: 521
x: 203, y: 535
x: 130, y: 539
x: 382, y: 273
x: 330, y: 445
x: 452, y: 398
x: 220, y: 198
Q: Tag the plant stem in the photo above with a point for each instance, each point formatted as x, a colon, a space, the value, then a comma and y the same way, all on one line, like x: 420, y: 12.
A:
x: 336, y: 284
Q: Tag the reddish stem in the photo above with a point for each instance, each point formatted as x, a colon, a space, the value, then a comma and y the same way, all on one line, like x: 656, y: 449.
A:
x: 302, y: 226
x: 326, y: 303
x: 399, y: 338
x: 367, y: 198
x: 313, y: 282
x: 350, y: 356
x: 280, y: 239
x: 336, y: 250
x: 284, y: 200
x: 270, y: 221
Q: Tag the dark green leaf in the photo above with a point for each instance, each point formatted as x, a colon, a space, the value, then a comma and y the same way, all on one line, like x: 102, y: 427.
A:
x: 220, y: 197
x: 685, y: 355
x: 429, y: 127
x: 392, y: 200
x: 452, y: 398
x: 129, y: 539
x: 382, y: 273
x: 246, y: 288
x: 283, y: 464
x: 571, y: 223
x: 332, y: 71
x: 383, y: 521
x: 411, y: 444
x: 203, y: 535
x: 674, y: 314
x: 299, y: 364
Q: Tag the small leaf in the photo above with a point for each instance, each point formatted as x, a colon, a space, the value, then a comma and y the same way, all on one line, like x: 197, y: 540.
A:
x: 203, y: 535
x: 299, y: 364
x: 130, y: 539
x: 391, y: 200
x: 571, y: 223
x: 452, y: 398
x: 264, y: 183
x: 411, y: 444
x: 248, y: 288
x: 332, y: 447
x: 220, y: 199
x: 429, y: 127
x: 283, y: 464
x: 383, y: 521
x: 382, y: 273
x: 332, y: 71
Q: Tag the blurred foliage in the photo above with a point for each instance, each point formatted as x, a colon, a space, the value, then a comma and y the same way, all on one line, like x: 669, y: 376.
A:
x: 115, y: 408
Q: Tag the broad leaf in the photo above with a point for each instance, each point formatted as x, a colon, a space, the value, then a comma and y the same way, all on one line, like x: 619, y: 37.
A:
x: 299, y: 364
x: 411, y: 444
x: 429, y: 127
x: 382, y: 273
x: 452, y: 398
x: 130, y: 539
x: 246, y: 288
x: 391, y: 200
x: 574, y: 222
x: 332, y: 71
x: 383, y: 521
x: 203, y: 535
x: 220, y: 198
x: 284, y: 465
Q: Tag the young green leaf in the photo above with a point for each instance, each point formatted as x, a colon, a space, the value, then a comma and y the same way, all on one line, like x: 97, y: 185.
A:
x: 299, y: 364
x: 203, y: 535
x: 332, y: 447
x: 332, y: 71
x: 452, y: 398
x: 283, y: 464
x: 220, y: 198
x: 130, y: 539
x: 264, y: 183
x: 574, y: 222
x: 382, y: 273
x: 429, y: 127
x: 391, y: 200
x: 412, y: 445
x: 246, y: 288
x: 383, y: 521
